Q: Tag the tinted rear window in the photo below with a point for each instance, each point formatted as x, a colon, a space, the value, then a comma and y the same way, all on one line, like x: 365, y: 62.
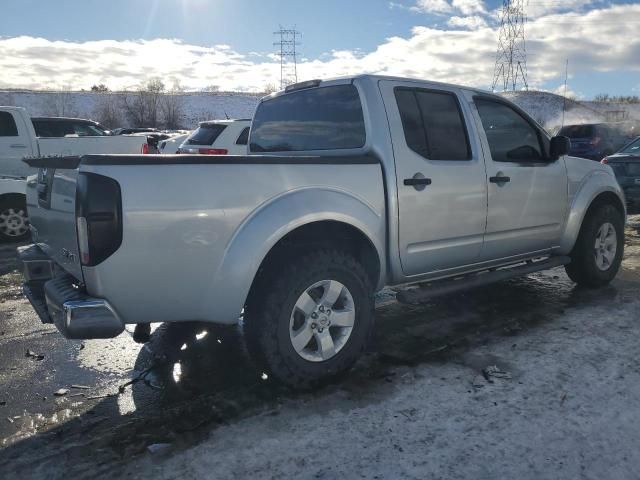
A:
x: 578, y: 131
x: 206, y: 134
x: 8, y: 126
x: 326, y: 118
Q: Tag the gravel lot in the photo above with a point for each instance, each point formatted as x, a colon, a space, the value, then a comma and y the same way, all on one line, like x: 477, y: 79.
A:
x: 531, y: 378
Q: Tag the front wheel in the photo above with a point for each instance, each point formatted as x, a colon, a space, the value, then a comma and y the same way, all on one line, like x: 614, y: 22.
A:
x: 14, y: 223
x: 597, y: 254
x: 311, y: 321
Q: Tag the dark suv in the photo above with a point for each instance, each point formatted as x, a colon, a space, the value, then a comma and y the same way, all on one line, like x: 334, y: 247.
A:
x: 594, y: 140
x: 626, y: 166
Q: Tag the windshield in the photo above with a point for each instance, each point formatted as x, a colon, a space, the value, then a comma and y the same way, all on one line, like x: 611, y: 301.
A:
x: 327, y: 118
x: 206, y: 134
x: 633, y: 148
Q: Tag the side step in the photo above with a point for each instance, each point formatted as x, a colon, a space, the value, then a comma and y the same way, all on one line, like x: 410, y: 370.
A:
x: 427, y: 291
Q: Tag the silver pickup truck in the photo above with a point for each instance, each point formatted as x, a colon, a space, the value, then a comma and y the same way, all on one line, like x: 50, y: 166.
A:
x: 350, y: 185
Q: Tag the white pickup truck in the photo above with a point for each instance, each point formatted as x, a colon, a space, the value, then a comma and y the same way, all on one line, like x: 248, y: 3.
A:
x: 350, y: 185
x: 18, y: 140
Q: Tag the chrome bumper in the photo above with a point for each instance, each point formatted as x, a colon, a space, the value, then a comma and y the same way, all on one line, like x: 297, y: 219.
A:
x: 57, y: 298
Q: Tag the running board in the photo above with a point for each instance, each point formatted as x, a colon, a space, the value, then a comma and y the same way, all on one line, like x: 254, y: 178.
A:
x: 426, y: 291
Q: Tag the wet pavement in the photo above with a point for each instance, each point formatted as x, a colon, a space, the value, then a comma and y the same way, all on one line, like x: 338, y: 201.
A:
x: 121, y: 397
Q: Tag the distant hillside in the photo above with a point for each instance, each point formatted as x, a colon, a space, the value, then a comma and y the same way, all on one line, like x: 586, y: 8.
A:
x: 546, y: 108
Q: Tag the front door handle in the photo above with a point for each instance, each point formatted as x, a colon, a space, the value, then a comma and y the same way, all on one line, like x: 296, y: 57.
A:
x: 499, y: 179
x: 17, y: 145
x: 416, y: 182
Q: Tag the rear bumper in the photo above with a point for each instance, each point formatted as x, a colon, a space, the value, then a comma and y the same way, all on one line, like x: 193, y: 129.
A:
x: 58, y: 298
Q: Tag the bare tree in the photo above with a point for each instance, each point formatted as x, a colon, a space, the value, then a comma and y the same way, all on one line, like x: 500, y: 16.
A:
x: 60, y: 103
x: 269, y: 88
x: 172, y: 107
x: 142, y: 107
x: 108, y: 111
x: 102, y: 88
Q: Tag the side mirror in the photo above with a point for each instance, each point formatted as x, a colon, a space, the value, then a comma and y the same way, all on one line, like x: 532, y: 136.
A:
x: 559, y: 146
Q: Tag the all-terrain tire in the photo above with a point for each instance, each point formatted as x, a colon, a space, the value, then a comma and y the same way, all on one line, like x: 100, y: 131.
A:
x: 271, y: 305
x: 584, y: 269
x: 14, y: 222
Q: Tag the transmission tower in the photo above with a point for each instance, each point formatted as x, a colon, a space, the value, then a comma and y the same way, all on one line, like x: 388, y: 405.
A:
x: 511, y: 58
x: 288, y: 55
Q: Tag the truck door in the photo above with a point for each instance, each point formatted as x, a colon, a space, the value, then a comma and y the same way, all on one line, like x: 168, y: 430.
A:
x: 440, y: 175
x: 527, y: 192
x: 15, y: 143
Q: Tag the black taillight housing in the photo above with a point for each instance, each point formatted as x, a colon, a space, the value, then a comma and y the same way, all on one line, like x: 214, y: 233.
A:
x: 98, y: 217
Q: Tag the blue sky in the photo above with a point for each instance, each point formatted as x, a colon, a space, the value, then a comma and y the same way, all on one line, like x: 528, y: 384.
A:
x: 357, y: 29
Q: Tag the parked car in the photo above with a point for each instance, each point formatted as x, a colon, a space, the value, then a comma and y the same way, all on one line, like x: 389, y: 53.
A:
x: 350, y: 185
x: 218, y: 137
x: 129, y: 131
x: 626, y: 166
x: 172, y: 144
x: 63, y: 126
x: 19, y: 139
x: 594, y: 140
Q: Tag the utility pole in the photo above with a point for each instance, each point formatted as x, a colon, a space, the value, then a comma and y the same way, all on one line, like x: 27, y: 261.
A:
x: 288, y: 55
x: 564, y: 98
x: 510, y: 71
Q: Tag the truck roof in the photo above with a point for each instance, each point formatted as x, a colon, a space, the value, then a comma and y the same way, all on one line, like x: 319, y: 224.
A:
x: 351, y: 78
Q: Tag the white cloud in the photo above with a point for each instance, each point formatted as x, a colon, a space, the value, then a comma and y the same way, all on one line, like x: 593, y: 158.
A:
x: 469, y: 7
x: 472, y: 22
x: 432, y: 6
x: 463, y: 52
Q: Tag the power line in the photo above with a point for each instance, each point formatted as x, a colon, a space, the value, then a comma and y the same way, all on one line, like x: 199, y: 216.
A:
x: 511, y: 58
x: 288, y: 55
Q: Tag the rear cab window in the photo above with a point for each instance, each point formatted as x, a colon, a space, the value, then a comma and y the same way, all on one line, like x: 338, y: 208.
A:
x: 206, y: 134
x: 321, y: 118
x: 8, y: 127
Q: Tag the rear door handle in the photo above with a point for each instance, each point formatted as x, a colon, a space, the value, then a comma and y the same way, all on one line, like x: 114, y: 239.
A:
x: 415, y: 182
x: 499, y: 179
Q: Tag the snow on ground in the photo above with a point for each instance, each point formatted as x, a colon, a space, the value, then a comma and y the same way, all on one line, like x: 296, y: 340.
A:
x: 569, y: 410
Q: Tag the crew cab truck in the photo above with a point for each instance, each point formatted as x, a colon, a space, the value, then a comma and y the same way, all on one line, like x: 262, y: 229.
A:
x: 18, y: 139
x: 350, y: 185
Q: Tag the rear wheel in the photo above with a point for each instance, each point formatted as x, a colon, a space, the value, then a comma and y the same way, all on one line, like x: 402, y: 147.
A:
x: 14, y: 222
x: 597, y: 254
x: 312, y: 320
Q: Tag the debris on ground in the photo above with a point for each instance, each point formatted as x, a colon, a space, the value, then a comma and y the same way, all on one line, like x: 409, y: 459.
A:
x: 34, y: 355
x: 61, y: 392
x: 3, y: 403
x: 493, y: 371
x: 158, y: 447
x: 80, y: 387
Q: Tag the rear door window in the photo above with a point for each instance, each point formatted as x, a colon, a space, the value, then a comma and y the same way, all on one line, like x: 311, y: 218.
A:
x: 433, y: 124
x: 206, y: 134
x: 325, y: 118
x: 8, y: 127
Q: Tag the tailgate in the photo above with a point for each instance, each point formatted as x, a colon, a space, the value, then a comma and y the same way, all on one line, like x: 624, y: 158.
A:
x: 51, y: 203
